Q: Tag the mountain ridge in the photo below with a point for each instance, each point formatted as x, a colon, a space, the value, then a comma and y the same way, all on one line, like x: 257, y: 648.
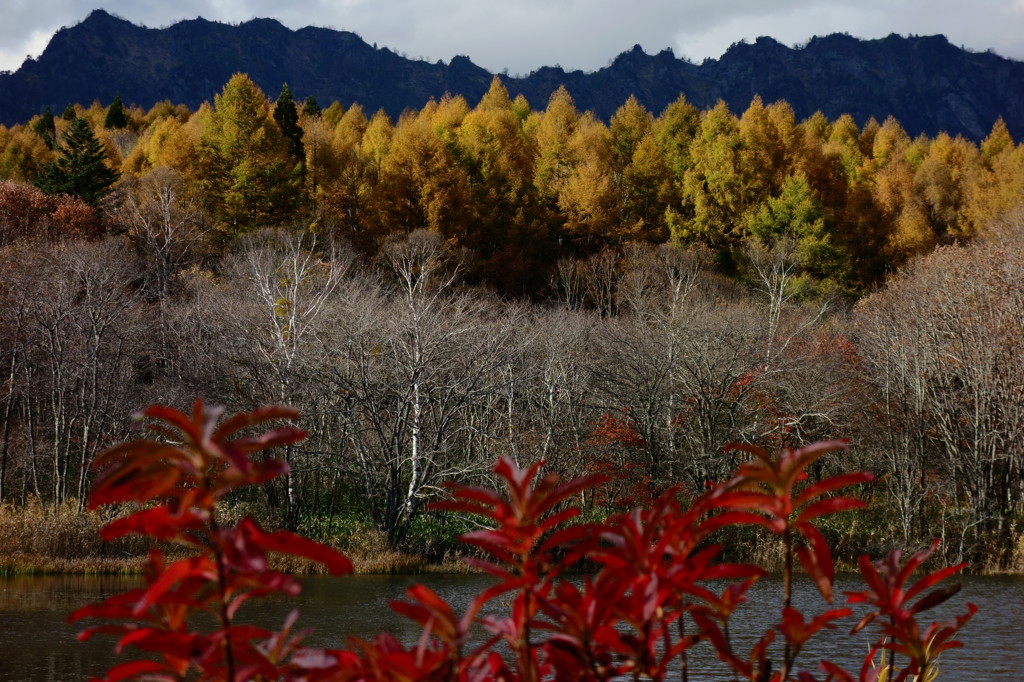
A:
x: 926, y: 83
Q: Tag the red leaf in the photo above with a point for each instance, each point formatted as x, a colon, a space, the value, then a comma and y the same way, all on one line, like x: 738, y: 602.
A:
x: 933, y: 578
x: 834, y: 672
x: 736, y: 517
x: 564, y: 491
x: 157, y: 522
x: 797, y: 631
x: 750, y: 449
x: 133, y: 669
x: 934, y: 598
x: 568, y: 536
x: 801, y: 458
x: 289, y: 543
x: 829, y: 506
x: 192, y: 428
x: 431, y: 612
x: 473, y: 501
x: 239, y: 421
x: 831, y: 484
x: 201, y: 567
x: 817, y: 561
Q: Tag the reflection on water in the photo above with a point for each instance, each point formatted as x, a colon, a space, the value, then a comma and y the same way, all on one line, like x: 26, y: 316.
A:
x: 38, y: 645
x: 35, y: 640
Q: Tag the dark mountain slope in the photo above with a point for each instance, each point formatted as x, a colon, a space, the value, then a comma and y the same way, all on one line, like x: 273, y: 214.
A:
x: 925, y: 82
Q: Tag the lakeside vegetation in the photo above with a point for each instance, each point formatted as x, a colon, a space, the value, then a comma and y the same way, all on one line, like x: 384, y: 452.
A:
x: 40, y: 541
x: 474, y: 282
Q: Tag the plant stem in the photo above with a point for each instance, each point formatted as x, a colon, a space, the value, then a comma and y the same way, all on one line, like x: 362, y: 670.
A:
x: 222, y: 580
x: 787, y: 586
x: 684, y: 673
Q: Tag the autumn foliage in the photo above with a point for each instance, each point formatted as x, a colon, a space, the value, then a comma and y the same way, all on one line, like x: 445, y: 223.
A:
x: 178, y: 487
x: 518, y: 185
x: 658, y: 590
x: 25, y: 212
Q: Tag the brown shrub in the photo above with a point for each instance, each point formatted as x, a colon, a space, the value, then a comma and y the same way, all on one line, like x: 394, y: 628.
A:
x: 27, y: 213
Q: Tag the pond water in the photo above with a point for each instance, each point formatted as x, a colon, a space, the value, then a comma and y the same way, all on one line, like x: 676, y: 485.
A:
x: 37, y: 645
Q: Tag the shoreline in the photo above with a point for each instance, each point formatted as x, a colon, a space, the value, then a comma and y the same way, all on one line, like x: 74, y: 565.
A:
x: 18, y: 564
x: 22, y: 564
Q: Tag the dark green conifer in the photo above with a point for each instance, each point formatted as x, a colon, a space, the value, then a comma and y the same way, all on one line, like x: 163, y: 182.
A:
x: 70, y: 113
x: 45, y: 127
x: 287, y: 117
x: 311, y: 107
x: 80, y: 169
x: 116, y: 115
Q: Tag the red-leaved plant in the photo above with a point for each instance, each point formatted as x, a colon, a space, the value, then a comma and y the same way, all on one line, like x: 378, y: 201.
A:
x: 177, y: 483
x: 648, y: 598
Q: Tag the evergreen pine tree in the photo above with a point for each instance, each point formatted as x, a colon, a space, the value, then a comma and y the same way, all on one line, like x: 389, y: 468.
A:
x: 116, y: 115
x: 311, y: 107
x: 45, y: 127
x: 80, y: 169
x: 70, y: 113
x: 287, y: 118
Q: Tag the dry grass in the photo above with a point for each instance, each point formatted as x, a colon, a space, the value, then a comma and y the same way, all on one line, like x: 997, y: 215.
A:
x: 34, y: 539
x: 35, y: 530
x: 1011, y: 562
x: 371, y: 555
x: 393, y: 562
x: 1017, y: 560
x: 768, y: 553
x: 19, y: 563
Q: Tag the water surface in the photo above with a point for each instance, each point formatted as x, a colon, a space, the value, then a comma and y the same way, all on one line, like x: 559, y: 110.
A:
x: 37, y: 645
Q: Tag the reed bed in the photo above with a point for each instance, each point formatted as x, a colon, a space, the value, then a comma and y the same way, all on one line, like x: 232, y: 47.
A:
x: 40, y: 540
x: 20, y: 563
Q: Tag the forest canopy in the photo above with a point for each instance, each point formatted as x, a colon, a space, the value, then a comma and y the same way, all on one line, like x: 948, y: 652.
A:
x: 517, y: 188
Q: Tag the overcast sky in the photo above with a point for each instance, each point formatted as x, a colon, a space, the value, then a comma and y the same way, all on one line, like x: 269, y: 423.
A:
x: 521, y: 35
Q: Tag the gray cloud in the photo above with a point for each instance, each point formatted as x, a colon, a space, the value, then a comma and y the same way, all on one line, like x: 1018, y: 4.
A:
x: 525, y: 34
